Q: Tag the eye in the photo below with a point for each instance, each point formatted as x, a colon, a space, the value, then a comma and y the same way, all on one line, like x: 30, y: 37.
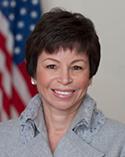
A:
x: 76, y: 67
x: 51, y: 66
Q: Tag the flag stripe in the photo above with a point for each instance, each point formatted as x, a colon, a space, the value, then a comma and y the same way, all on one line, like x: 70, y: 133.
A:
x: 20, y: 85
x: 4, y: 29
x: 6, y: 79
x: 3, y: 48
x: 17, y: 100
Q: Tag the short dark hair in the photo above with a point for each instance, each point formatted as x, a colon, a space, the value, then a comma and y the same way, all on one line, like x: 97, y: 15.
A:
x: 60, y: 28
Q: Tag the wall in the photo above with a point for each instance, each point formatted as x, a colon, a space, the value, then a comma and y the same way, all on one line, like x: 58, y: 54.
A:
x: 108, y: 87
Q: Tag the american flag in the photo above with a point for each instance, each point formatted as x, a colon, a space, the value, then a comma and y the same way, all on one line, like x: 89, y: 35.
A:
x: 17, y: 20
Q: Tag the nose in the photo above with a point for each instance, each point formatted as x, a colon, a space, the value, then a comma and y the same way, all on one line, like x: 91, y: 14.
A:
x: 65, y: 77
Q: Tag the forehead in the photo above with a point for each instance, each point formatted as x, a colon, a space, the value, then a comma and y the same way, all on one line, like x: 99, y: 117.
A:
x: 64, y: 54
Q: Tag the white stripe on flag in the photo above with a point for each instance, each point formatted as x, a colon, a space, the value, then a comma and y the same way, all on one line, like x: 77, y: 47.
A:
x: 20, y: 85
x: 6, y: 79
x: 5, y: 30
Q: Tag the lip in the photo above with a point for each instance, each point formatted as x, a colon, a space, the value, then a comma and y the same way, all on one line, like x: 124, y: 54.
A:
x: 63, y: 93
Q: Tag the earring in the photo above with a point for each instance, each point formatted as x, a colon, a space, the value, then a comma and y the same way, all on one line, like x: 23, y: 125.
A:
x: 33, y: 81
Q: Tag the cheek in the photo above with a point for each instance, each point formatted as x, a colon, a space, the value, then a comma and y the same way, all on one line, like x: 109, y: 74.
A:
x: 41, y: 83
x: 41, y: 78
x: 44, y: 79
x: 82, y: 81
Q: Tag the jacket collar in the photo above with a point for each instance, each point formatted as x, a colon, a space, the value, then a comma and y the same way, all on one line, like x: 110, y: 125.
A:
x: 32, y: 123
x: 29, y: 119
x: 32, y: 119
x: 84, y: 114
x: 88, y: 120
x: 72, y: 145
x: 34, y: 107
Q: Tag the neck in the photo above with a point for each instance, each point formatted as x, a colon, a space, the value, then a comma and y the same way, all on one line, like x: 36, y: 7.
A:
x: 57, y: 124
x: 58, y: 121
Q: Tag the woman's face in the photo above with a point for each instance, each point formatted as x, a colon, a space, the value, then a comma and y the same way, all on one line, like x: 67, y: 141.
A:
x: 62, y: 79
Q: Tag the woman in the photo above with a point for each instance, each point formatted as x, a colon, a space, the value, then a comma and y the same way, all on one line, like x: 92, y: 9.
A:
x: 62, y: 55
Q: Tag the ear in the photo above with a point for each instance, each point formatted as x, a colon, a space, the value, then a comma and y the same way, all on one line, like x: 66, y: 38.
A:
x: 33, y: 81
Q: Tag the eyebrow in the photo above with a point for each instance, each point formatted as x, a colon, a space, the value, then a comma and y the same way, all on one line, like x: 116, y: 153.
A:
x: 55, y: 60
x: 79, y: 60
x: 50, y: 59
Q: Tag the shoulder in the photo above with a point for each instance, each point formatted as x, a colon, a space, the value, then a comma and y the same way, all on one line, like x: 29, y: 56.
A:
x: 113, y: 127
x: 9, y: 130
x: 110, y: 137
x: 4, y: 126
x: 113, y: 130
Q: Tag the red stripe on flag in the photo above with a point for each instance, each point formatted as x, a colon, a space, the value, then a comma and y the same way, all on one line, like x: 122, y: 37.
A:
x: 17, y: 102
x: 6, y: 103
x: 7, y: 55
x: 32, y: 89
x: 6, y: 99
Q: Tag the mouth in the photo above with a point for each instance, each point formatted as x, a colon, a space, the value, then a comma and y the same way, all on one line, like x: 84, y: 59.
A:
x: 63, y: 93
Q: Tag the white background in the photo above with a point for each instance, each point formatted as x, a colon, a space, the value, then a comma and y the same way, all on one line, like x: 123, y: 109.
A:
x: 108, y: 87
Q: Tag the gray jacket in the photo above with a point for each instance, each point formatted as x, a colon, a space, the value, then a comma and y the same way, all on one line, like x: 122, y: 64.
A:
x: 90, y: 134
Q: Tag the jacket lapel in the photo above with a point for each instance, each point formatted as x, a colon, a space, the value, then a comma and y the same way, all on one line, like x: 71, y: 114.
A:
x: 37, y: 147
x: 73, y: 146
x: 34, y: 142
